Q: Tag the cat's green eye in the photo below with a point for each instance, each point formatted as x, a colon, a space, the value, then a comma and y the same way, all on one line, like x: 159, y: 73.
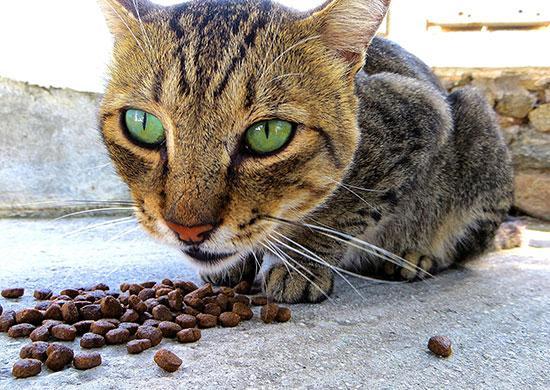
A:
x: 268, y: 136
x: 144, y: 127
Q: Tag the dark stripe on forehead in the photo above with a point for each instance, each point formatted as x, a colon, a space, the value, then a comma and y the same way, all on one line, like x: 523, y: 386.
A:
x: 157, y: 85
x: 329, y: 146
x: 175, y: 25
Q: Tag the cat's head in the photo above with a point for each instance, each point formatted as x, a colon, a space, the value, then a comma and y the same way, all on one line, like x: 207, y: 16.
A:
x: 218, y: 113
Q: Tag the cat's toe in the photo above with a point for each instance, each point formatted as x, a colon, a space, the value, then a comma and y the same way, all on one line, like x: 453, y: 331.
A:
x: 416, y: 267
x: 288, y: 286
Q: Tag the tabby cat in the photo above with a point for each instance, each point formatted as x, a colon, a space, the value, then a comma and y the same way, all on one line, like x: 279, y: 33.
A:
x: 255, y: 136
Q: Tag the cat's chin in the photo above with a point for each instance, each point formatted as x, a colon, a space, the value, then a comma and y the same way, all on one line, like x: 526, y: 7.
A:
x: 211, y: 262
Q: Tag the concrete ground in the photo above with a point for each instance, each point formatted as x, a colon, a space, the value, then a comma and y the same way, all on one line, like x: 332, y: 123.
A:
x: 496, y: 310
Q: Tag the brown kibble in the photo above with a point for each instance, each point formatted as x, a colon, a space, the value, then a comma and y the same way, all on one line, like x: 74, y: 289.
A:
x: 161, y: 292
x: 101, y: 327
x: 229, y: 319
x: 186, y: 321
x: 185, y: 287
x: 130, y: 315
x: 29, y: 316
x: 92, y: 340
x: 149, y: 284
x: 51, y: 323
x: 101, y: 286
x: 189, y: 335
x: 146, y: 293
x: 21, y: 330
x: 53, y: 313
x: 191, y: 311
x: 42, y: 294
x: 59, y: 356
x: 36, y: 350
x: 131, y: 327
x: 148, y: 332
x: 26, y: 368
x: 136, y: 304
x: 167, y: 282
x: 243, y: 311
x: 91, y: 312
x: 169, y: 329
x: 242, y: 288
x: 167, y: 360
x: 83, y: 327
x: 70, y: 313
x: 162, y: 313
x: 138, y: 346
x: 198, y: 294
x: 7, y: 320
x: 64, y: 332
x: 175, y: 300
x: 42, y: 305
x: 124, y: 287
x: 227, y: 291
x: 283, y: 315
x: 206, y: 320
x: 117, y: 336
x: 269, y: 312
x: 223, y: 302
x: 41, y: 333
x: 213, y: 309
x: 70, y: 292
x: 259, y: 301
x: 13, y: 293
x: 151, y: 322
x: 86, y: 360
x: 134, y: 289
x: 440, y: 345
x: 110, y: 307
x: 240, y: 298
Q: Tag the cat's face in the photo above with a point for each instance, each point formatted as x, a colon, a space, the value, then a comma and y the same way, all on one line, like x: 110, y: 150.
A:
x: 219, y: 113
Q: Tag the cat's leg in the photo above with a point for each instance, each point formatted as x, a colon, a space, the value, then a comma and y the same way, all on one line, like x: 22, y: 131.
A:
x: 242, y: 271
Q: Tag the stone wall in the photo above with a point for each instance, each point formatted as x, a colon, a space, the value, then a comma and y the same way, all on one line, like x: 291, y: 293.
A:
x: 521, y: 98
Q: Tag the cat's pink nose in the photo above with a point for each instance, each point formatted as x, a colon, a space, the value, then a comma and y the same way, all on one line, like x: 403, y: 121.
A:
x: 191, y: 235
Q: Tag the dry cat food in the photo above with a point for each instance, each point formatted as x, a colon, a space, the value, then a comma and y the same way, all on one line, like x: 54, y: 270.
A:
x: 440, y: 345
x: 167, y: 360
x: 139, y: 316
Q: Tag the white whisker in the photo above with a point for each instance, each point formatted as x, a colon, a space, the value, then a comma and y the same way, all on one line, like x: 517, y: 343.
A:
x: 95, y: 226
x: 94, y: 211
x: 124, y: 233
x: 128, y: 27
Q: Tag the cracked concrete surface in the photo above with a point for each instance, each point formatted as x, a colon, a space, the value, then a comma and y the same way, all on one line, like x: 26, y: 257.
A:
x: 496, y: 310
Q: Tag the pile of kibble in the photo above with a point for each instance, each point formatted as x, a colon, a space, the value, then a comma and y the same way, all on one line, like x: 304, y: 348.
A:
x: 140, y: 316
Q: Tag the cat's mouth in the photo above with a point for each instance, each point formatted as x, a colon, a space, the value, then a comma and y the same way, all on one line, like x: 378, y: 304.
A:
x: 207, y: 257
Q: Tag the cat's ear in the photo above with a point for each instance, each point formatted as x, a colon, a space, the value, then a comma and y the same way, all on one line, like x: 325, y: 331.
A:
x: 348, y: 26
x: 123, y: 16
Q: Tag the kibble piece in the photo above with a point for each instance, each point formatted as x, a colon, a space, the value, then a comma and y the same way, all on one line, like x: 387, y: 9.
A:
x: 283, y: 315
x: 213, y: 309
x: 110, y: 307
x: 175, y: 300
x: 53, y: 313
x: 114, y: 321
x: 240, y: 298
x: 130, y: 315
x: 92, y: 340
x: 50, y: 324
x: 21, y: 330
x: 91, y: 312
x: 29, y: 316
x: 160, y: 292
x: 64, y: 332
x: 36, y: 350
x: 136, y: 304
x: 194, y: 298
x: 42, y: 294
x: 43, y: 305
x: 440, y: 345
x: 12, y: 293
x: 59, y: 356
x: 162, y: 313
x: 229, y: 319
x: 124, y: 287
x: 131, y: 327
x: 191, y: 311
x: 146, y: 293
x: 83, y: 327
x: 242, y: 288
x: 151, y: 322
x: 7, y: 320
x: 138, y: 346
x: 185, y: 287
x: 148, y: 332
x: 41, y: 333
x: 189, y: 335
x: 227, y: 291
x: 167, y: 360
x: 243, y: 311
x: 117, y: 336
x: 259, y: 300
x: 149, y: 284
x: 70, y: 292
x: 101, y: 327
x: 207, y: 320
x: 70, y: 313
x: 26, y: 368
x: 151, y: 303
x: 186, y: 321
x: 223, y: 302
x: 134, y: 289
x: 86, y: 360
x: 269, y: 313
x: 169, y: 329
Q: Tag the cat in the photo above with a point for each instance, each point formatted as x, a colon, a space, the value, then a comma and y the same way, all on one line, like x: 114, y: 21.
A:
x: 258, y: 138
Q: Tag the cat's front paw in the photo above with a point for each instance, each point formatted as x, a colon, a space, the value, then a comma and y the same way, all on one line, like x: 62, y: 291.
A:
x: 289, y: 286
x: 416, y: 267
